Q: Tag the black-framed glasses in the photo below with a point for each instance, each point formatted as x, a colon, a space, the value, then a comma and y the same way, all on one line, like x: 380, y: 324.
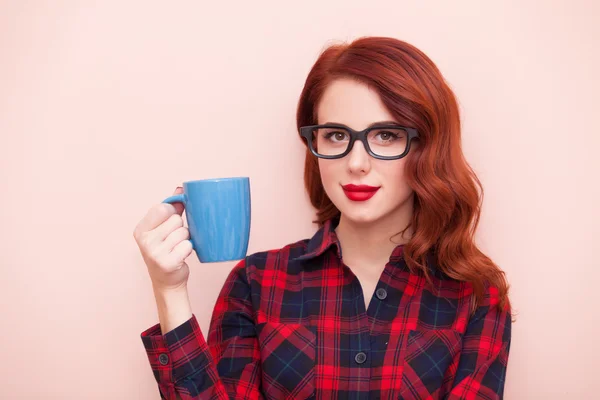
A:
x: 384, y: 142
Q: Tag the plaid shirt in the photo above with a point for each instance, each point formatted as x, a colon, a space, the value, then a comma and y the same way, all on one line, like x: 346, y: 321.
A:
x: 292, y: 324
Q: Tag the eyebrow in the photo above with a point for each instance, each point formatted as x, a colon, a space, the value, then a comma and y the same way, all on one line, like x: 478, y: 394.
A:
x: 370, y: 125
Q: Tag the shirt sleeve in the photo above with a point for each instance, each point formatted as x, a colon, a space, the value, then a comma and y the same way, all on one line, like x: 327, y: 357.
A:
x: 227, y: 366
x: 486, y: 343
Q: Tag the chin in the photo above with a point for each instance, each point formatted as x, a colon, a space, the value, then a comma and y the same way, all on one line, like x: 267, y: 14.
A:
x: 360, y: 214
x: 370, y: 218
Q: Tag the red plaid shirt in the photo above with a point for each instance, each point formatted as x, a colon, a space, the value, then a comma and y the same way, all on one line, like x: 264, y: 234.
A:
x: 292, y: 324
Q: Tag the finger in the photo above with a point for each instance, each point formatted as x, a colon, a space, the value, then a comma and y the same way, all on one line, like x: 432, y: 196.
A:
x: 155, y: 217
x: 175, y: 238
x: 159, y: 214
x: 181, y: 251
x: 160, y: 233
x: 178, y: 206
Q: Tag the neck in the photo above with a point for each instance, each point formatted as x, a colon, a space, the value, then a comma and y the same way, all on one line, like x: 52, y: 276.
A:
x: 370, y: 243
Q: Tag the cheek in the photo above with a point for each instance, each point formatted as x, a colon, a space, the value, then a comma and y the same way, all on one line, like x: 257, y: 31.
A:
x: 391, y: 171
x: 393, y: 176
x: 330, y: 177
x: 328, y: 171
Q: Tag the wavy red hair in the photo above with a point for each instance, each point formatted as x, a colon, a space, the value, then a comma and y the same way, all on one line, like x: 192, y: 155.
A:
x: 448, y: 194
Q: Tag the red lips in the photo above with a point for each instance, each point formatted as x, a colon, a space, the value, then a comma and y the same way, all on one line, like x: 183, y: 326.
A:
x: 359, y: 192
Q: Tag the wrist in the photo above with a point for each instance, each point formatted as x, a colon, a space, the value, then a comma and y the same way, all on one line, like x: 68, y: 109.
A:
x: 173, y: 307
x: 170, y: 291
x: 169, y: 299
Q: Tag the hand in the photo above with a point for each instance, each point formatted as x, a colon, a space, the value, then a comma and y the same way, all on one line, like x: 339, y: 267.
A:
x: 164, y: 244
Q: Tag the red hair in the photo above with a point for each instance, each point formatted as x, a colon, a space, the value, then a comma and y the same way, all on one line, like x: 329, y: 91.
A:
x: 448, y: 194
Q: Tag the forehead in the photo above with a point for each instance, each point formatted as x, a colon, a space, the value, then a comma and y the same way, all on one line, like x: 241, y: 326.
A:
x: 351, y: 103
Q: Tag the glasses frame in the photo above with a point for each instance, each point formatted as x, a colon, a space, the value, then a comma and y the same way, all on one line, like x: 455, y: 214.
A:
x: 307, y: 133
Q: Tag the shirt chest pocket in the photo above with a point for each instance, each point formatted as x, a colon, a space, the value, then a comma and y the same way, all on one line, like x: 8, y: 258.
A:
x: 287, y: 353
x: 430, y: 361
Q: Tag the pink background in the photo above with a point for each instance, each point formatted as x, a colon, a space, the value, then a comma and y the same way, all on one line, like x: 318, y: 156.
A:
x: 105, y: 107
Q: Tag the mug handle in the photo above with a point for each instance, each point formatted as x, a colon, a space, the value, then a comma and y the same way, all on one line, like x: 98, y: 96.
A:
x: 178, y: 198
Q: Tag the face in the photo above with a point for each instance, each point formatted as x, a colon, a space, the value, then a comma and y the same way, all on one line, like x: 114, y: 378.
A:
x: 355, y: 105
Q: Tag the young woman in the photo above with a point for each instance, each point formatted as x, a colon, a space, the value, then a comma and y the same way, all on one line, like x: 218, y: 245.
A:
x: 390, y: 299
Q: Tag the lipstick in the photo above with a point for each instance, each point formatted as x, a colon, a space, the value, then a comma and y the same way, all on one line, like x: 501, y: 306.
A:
x: 359, y: 192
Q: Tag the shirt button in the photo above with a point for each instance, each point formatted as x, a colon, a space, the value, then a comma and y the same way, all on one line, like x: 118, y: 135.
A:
x: 381, y: 293
x: 163, y: 359
x: 360, y: 357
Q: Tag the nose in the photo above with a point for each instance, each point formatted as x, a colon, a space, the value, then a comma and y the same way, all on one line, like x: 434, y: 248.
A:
x: 359, y: 161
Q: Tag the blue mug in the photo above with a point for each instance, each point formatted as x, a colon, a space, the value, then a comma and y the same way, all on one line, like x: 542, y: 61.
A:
x: 218, y: 217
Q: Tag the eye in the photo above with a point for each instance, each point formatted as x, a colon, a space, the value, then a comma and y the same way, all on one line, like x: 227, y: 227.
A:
x: 336, y: 136
x: 387, y: 136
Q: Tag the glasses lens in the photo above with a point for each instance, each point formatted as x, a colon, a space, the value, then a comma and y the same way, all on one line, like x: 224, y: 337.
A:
x: 388, y: 142
x: 330, y: 141
x: 385, y: 142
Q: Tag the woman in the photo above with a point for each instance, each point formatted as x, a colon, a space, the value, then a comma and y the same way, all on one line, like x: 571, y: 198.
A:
x: 412, y: 310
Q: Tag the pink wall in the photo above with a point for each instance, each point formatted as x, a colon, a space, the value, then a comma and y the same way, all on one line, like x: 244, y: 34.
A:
x: 106, y: 106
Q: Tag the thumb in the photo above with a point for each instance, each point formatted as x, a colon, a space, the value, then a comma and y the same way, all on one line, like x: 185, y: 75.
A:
x: 178, y: 206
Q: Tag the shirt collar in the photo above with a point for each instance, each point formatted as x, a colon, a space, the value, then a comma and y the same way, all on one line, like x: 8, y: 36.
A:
x: 322, y: 240
x: 326, y: 237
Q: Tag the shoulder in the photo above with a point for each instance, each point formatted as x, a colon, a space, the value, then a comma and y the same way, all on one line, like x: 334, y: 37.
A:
x: 477, y: 291
x: 489, y: 305
x: 288, y: 252
x: 282, y: 258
